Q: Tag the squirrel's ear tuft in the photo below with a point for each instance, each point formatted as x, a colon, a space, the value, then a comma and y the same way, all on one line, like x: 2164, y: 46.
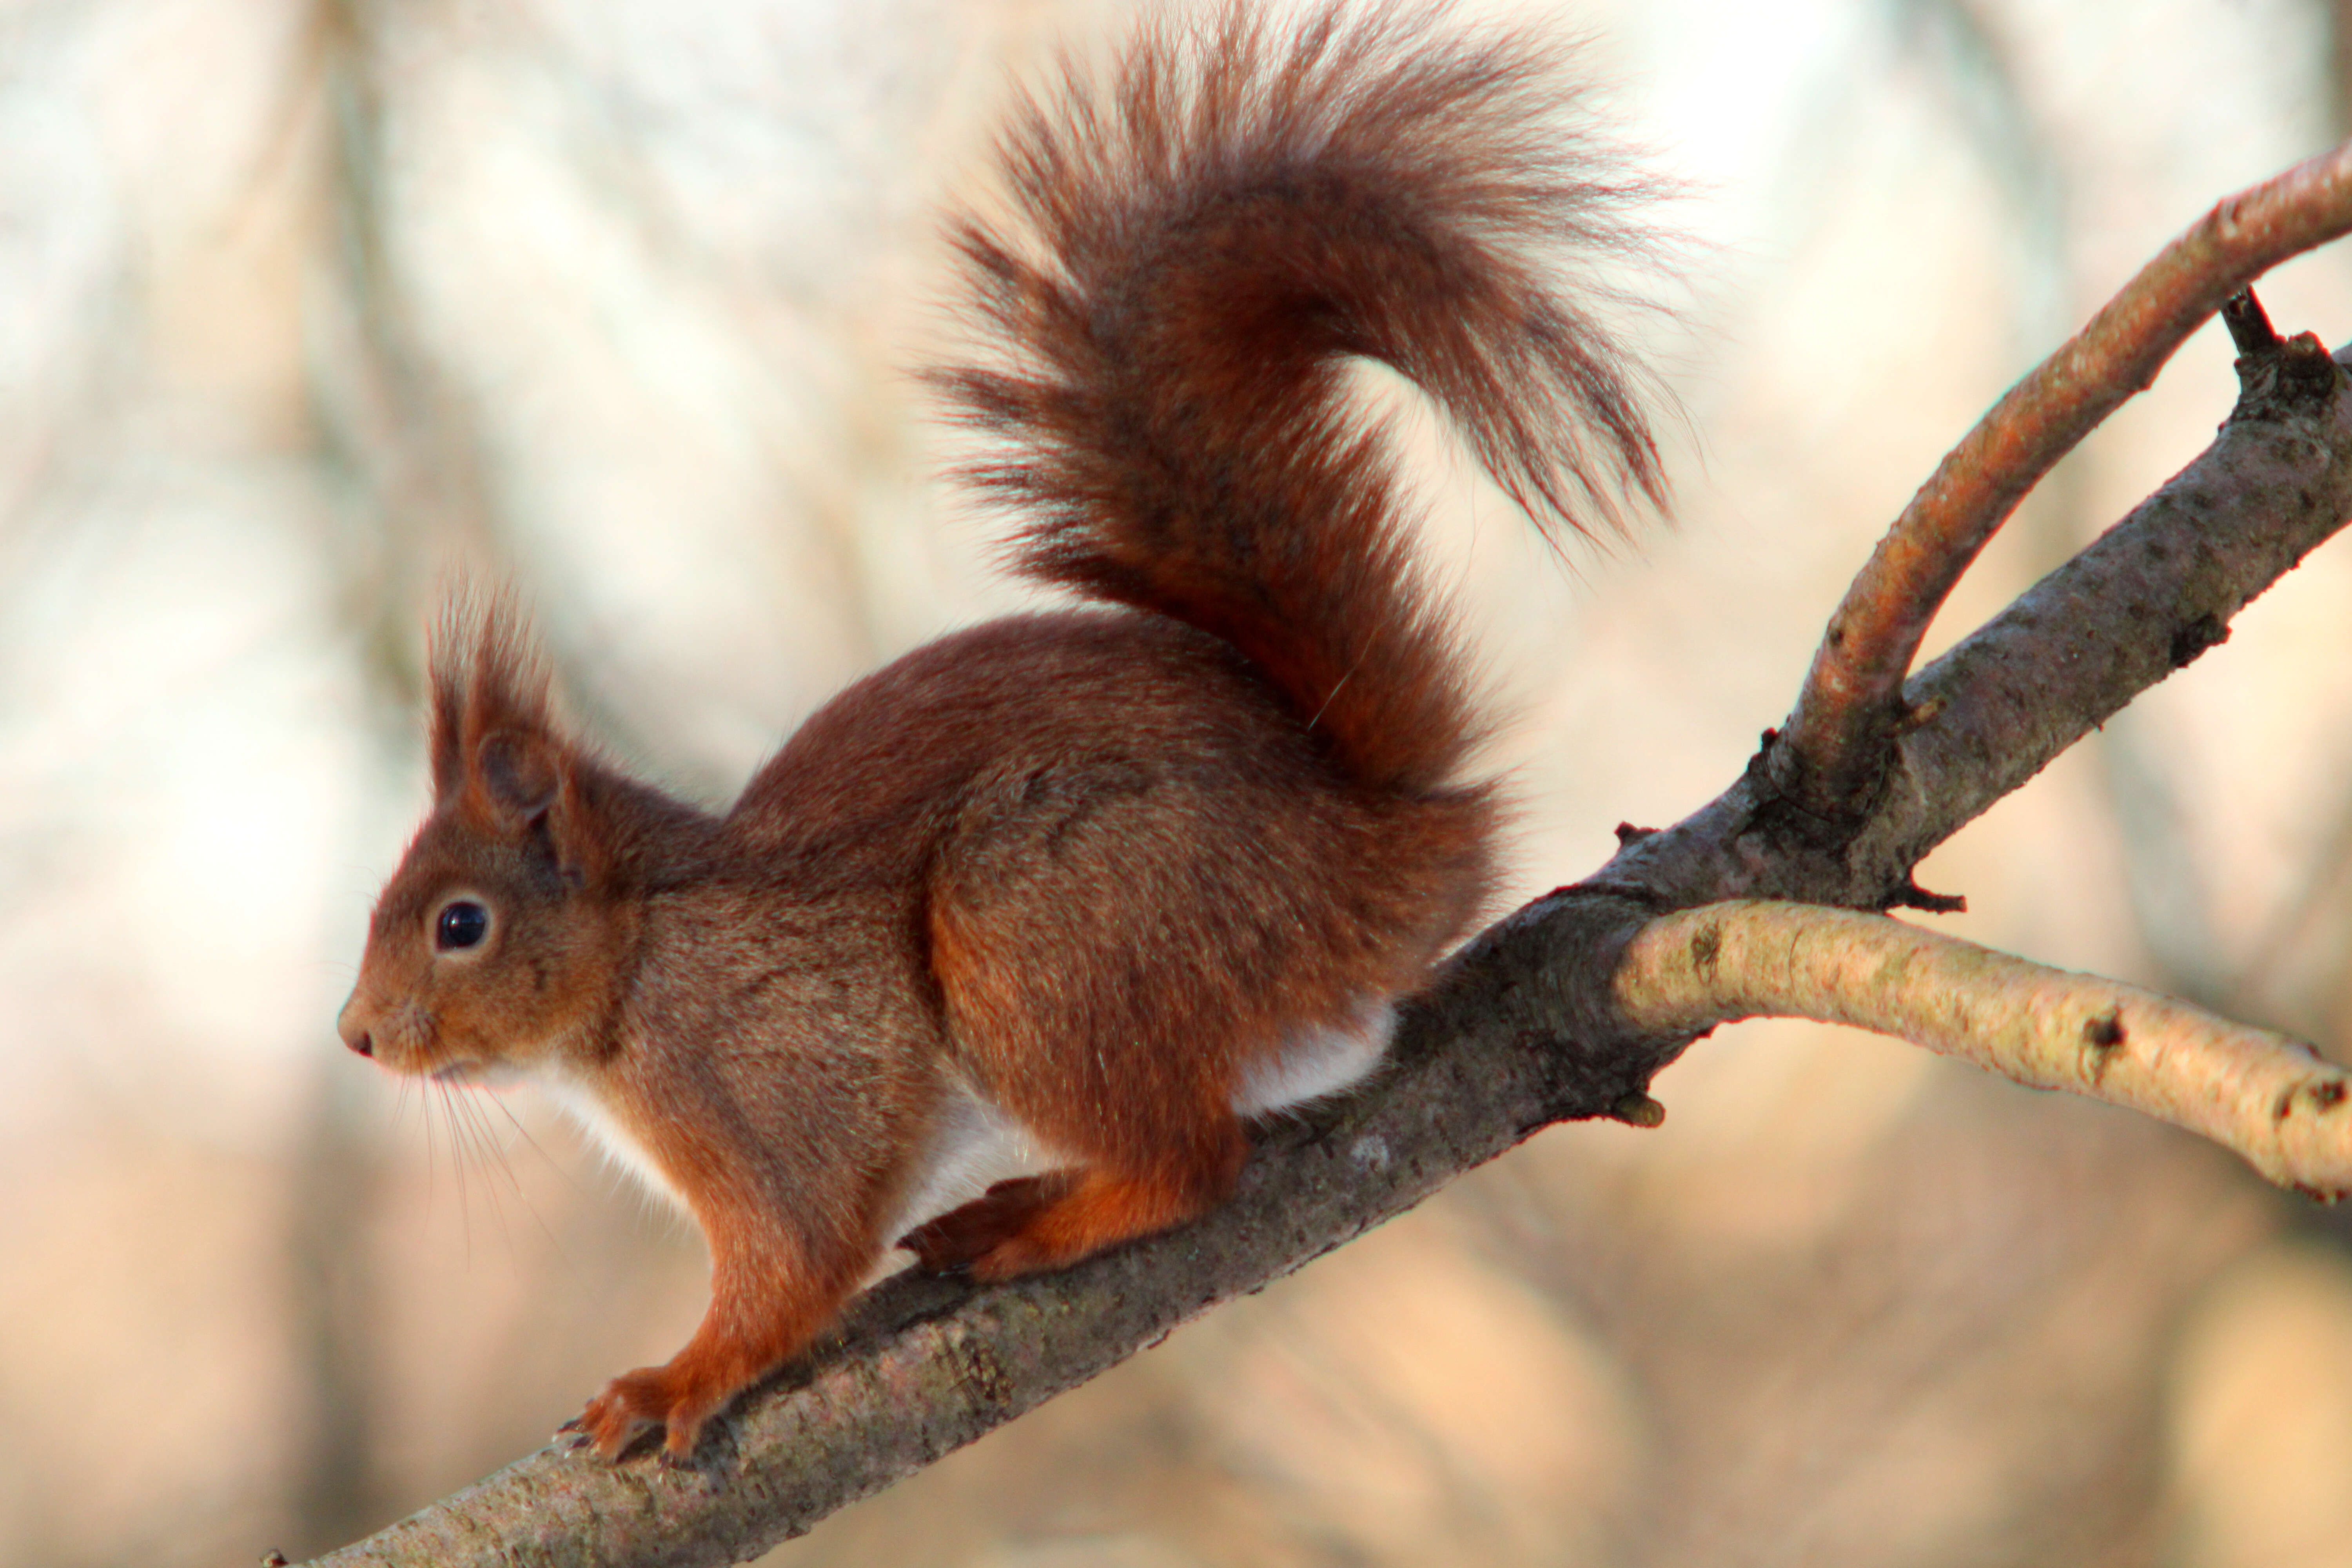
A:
x: 447, y: 732
x: 488, y: 677
x: 497, y: 754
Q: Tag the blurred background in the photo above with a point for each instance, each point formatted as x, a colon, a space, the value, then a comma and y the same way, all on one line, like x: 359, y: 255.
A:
x: 307, y: 305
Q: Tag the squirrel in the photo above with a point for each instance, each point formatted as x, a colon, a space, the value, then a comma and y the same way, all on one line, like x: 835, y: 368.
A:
x: 1106, y: 882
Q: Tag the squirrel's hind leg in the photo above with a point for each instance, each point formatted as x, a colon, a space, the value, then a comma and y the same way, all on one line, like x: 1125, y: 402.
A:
x: 1036, y: 1222
x: 962, y: 1235
x: 1136, y: 943
x: 1062, y: 1216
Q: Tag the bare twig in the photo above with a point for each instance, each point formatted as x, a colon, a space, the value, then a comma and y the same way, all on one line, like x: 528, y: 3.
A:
x: 2250, y: 332
x: 2258, y: 1092
x: 1831, y: 759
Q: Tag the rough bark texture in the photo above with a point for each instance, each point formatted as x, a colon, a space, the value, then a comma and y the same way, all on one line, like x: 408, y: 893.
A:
x: 1519, y: 1033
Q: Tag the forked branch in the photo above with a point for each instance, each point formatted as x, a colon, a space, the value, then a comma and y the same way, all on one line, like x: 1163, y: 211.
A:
x: 1828, y: 762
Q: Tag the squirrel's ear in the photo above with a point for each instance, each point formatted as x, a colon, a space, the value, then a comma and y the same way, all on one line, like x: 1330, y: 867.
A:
x: 499, y: 757
x: 516, y: 774
x: 522, y: 784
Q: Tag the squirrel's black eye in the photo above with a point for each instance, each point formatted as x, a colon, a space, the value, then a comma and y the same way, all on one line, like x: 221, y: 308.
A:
x: 462, y: 924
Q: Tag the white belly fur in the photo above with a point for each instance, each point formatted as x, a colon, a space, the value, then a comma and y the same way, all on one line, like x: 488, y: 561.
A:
x: 618, y: 1148
x: 1316, y: 1064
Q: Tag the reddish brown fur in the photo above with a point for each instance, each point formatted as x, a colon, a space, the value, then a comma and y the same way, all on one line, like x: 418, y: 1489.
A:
x: 1196, y: 252
x: 1094, y: 867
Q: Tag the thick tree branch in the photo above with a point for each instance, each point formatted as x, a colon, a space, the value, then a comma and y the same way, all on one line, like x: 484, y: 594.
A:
x: 1831, y: 750
x: 2258, y: 1092
x: 2147, y: 597
x: 1523, y: 1031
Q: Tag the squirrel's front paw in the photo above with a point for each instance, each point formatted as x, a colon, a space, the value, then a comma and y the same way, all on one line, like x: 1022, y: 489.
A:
x: 634, y: 1401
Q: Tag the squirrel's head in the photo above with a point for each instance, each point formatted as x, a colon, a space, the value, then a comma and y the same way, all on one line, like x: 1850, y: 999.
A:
x: 499, y: 943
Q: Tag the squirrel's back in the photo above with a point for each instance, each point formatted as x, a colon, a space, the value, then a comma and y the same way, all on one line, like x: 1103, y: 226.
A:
x: 1189, y: 255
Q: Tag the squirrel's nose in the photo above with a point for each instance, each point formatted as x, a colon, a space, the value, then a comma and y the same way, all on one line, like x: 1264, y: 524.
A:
x: 353, y: 1031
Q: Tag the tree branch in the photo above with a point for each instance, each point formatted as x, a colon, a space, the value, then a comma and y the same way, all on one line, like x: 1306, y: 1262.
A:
x: 1829, y: 751
x: 1522, y: 1031
x: 2145, y: 598
x: 2258, y: 1092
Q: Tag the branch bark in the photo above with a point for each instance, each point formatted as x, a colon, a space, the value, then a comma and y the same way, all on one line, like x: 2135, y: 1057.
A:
x: 2257, y: 1091
x: 2147, y: 597
x: 1522, y: 1031
x: 1847, y: 709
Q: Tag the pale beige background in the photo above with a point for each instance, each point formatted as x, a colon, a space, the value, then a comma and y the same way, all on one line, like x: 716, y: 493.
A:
x: 302, y: 303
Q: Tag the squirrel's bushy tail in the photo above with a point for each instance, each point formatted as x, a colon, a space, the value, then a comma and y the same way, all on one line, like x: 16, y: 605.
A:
x: 1187, y: 256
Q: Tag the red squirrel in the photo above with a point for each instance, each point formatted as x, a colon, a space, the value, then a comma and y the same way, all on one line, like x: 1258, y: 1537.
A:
x: 1105, y: 881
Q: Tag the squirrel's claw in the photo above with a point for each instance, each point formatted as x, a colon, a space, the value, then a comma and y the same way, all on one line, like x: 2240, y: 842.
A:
x: 637, y: 1402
